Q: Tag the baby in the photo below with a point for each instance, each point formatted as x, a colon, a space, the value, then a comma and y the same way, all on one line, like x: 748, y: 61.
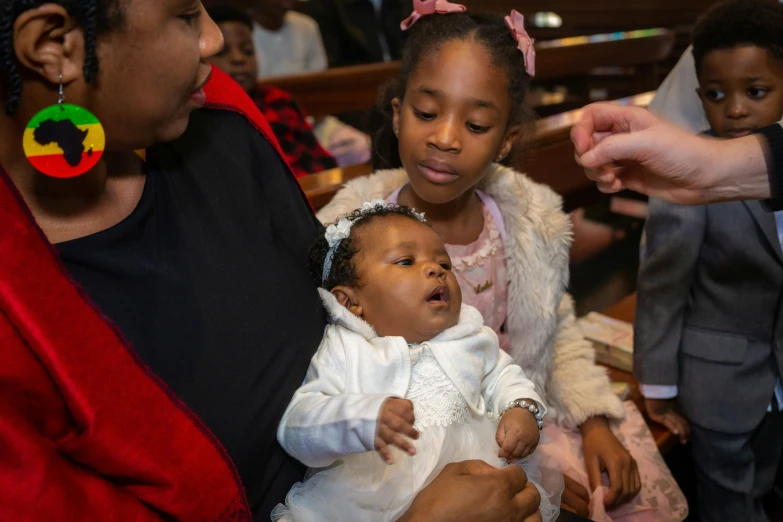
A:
x: 404, y: 369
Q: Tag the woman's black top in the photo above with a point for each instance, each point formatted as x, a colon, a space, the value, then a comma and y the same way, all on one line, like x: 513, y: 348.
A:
x: 207, y: 279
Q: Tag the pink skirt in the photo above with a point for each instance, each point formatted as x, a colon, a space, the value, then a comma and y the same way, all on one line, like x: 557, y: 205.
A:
x: 660, y: 499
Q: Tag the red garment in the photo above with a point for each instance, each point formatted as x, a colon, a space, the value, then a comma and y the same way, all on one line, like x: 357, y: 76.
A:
x: 289, y: 123
x: 87, y: 431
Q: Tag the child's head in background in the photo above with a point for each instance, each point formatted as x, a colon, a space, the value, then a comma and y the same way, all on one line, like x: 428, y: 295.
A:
x: 385, y: 265
x: 238, y: 56
x: 738, y: 50
x: 459, y: 104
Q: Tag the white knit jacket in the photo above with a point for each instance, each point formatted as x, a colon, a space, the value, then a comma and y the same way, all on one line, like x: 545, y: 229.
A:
x: 335, y: 411
x: 544, y: 338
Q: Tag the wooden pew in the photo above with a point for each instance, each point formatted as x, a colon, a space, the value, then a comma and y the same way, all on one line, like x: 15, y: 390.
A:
x: 578, y: 17
x: 598, y: 16
x: 553, y: 164
x: 350, y: 89
x: 339, y: 89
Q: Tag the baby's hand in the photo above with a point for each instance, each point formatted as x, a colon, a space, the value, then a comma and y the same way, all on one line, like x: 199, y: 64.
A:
x: 395, y: 421
x: 517, y: 434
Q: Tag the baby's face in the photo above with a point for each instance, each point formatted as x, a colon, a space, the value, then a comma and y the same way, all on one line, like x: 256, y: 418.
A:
x: 406, y: 286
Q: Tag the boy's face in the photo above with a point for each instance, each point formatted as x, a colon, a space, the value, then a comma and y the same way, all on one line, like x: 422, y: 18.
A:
x: 741, y: 89
x: 406, y: 287
x: 238, y: 56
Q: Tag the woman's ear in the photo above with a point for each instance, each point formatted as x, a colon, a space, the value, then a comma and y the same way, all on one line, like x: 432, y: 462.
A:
x: 347, y: 297
x: 511, y: 137
x: 50, y: 42
x: 396, y: 104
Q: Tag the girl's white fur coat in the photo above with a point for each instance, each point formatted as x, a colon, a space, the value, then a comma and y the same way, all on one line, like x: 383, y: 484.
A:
x: 545, y: 340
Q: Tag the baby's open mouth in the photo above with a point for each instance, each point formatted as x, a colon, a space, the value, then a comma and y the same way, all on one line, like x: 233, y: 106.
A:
x: 439, y: 295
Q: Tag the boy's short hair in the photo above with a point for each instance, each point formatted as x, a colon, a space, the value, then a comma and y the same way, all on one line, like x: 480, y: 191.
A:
x: 735, y: 23
x: 229, y: 13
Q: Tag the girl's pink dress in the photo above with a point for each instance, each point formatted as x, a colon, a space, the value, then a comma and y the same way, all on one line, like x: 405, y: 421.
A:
x: 481, y: 266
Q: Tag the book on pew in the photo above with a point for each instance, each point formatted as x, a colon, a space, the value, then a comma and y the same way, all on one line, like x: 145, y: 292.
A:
x: 611, y: 338
x: 621, y: 389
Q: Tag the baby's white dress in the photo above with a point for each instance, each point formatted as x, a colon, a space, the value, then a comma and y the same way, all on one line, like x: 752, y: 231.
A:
x: 361, y: 487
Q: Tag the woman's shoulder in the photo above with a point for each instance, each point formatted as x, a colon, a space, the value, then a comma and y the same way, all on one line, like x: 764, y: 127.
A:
x: 527, y: 206
x: 366, y: 188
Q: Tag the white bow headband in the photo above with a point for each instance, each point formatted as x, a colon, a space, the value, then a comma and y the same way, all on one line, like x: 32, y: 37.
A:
x: 336, y: 232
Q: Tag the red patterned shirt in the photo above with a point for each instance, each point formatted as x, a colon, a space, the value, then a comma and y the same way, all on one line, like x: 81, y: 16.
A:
x: 289, y: 123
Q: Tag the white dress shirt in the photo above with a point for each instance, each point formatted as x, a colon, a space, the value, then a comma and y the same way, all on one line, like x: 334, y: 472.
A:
x: 296, y: 48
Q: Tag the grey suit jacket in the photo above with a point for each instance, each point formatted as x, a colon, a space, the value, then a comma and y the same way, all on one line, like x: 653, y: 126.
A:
x: 708, y: 309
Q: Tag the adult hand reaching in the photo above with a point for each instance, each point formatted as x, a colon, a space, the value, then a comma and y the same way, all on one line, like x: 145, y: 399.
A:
x: 475, y: 491
x: 630, y: 148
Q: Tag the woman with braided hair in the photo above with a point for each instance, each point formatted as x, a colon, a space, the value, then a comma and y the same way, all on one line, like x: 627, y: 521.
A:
x: 156, y: 314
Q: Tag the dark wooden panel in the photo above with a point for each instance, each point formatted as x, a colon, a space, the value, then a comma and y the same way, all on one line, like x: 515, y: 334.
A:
x: 581, y: 54
x: 620, y: 13
x: 340, y: 89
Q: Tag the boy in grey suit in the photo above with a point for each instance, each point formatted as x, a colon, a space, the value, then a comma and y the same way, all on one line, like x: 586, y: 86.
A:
x: 708, y: 339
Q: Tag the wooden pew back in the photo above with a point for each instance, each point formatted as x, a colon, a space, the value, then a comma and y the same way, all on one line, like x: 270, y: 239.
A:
x: 581, y: 17
x: 351, y: 89
x: 553, y: 163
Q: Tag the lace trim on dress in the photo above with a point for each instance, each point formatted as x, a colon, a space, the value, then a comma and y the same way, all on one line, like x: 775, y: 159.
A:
x: 436, y: 401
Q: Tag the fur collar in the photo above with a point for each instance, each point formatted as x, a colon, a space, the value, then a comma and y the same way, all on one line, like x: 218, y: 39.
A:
x: 544, y: 338
x: 537, y: 244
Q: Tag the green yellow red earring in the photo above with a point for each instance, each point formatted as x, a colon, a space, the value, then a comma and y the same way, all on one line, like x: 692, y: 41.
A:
x: 64, y: 140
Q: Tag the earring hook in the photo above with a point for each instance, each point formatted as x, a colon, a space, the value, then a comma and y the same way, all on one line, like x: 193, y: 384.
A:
x: 61, y: 96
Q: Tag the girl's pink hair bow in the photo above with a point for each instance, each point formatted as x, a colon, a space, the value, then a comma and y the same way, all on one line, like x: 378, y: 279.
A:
x: 516, y: 23
x: 428, y: 7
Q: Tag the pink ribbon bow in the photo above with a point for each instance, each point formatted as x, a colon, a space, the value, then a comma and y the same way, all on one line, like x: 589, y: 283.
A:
x: 516, y: 23
x: 428, y: 7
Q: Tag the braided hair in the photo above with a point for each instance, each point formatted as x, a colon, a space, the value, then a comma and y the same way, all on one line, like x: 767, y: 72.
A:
x: 428, y: 35
x: 95, y: 16
x: 343, y: 271
x: 735, y: 23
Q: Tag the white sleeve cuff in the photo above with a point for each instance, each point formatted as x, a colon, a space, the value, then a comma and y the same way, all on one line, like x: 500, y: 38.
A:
x: 659, y: 391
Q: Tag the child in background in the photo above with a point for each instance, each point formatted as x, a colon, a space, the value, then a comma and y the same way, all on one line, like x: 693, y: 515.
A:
x: 454, y: 115
x: 238, y: 59
x: 405, y: 369
x: 287, y: 42
x: 707, y: 342
x: 331, y: 143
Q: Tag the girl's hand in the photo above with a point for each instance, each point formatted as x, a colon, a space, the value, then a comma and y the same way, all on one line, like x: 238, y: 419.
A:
x: 576, y: 498
x: 664, y: 411
x: 517, y: 434
x: 603, y: 452
x: 395, y: 424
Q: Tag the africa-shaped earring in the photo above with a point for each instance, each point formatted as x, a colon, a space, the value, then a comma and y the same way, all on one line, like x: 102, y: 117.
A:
x: 64, y: 140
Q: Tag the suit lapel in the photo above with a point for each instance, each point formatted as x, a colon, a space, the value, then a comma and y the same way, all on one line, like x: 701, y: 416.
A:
x: 766, y: 221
